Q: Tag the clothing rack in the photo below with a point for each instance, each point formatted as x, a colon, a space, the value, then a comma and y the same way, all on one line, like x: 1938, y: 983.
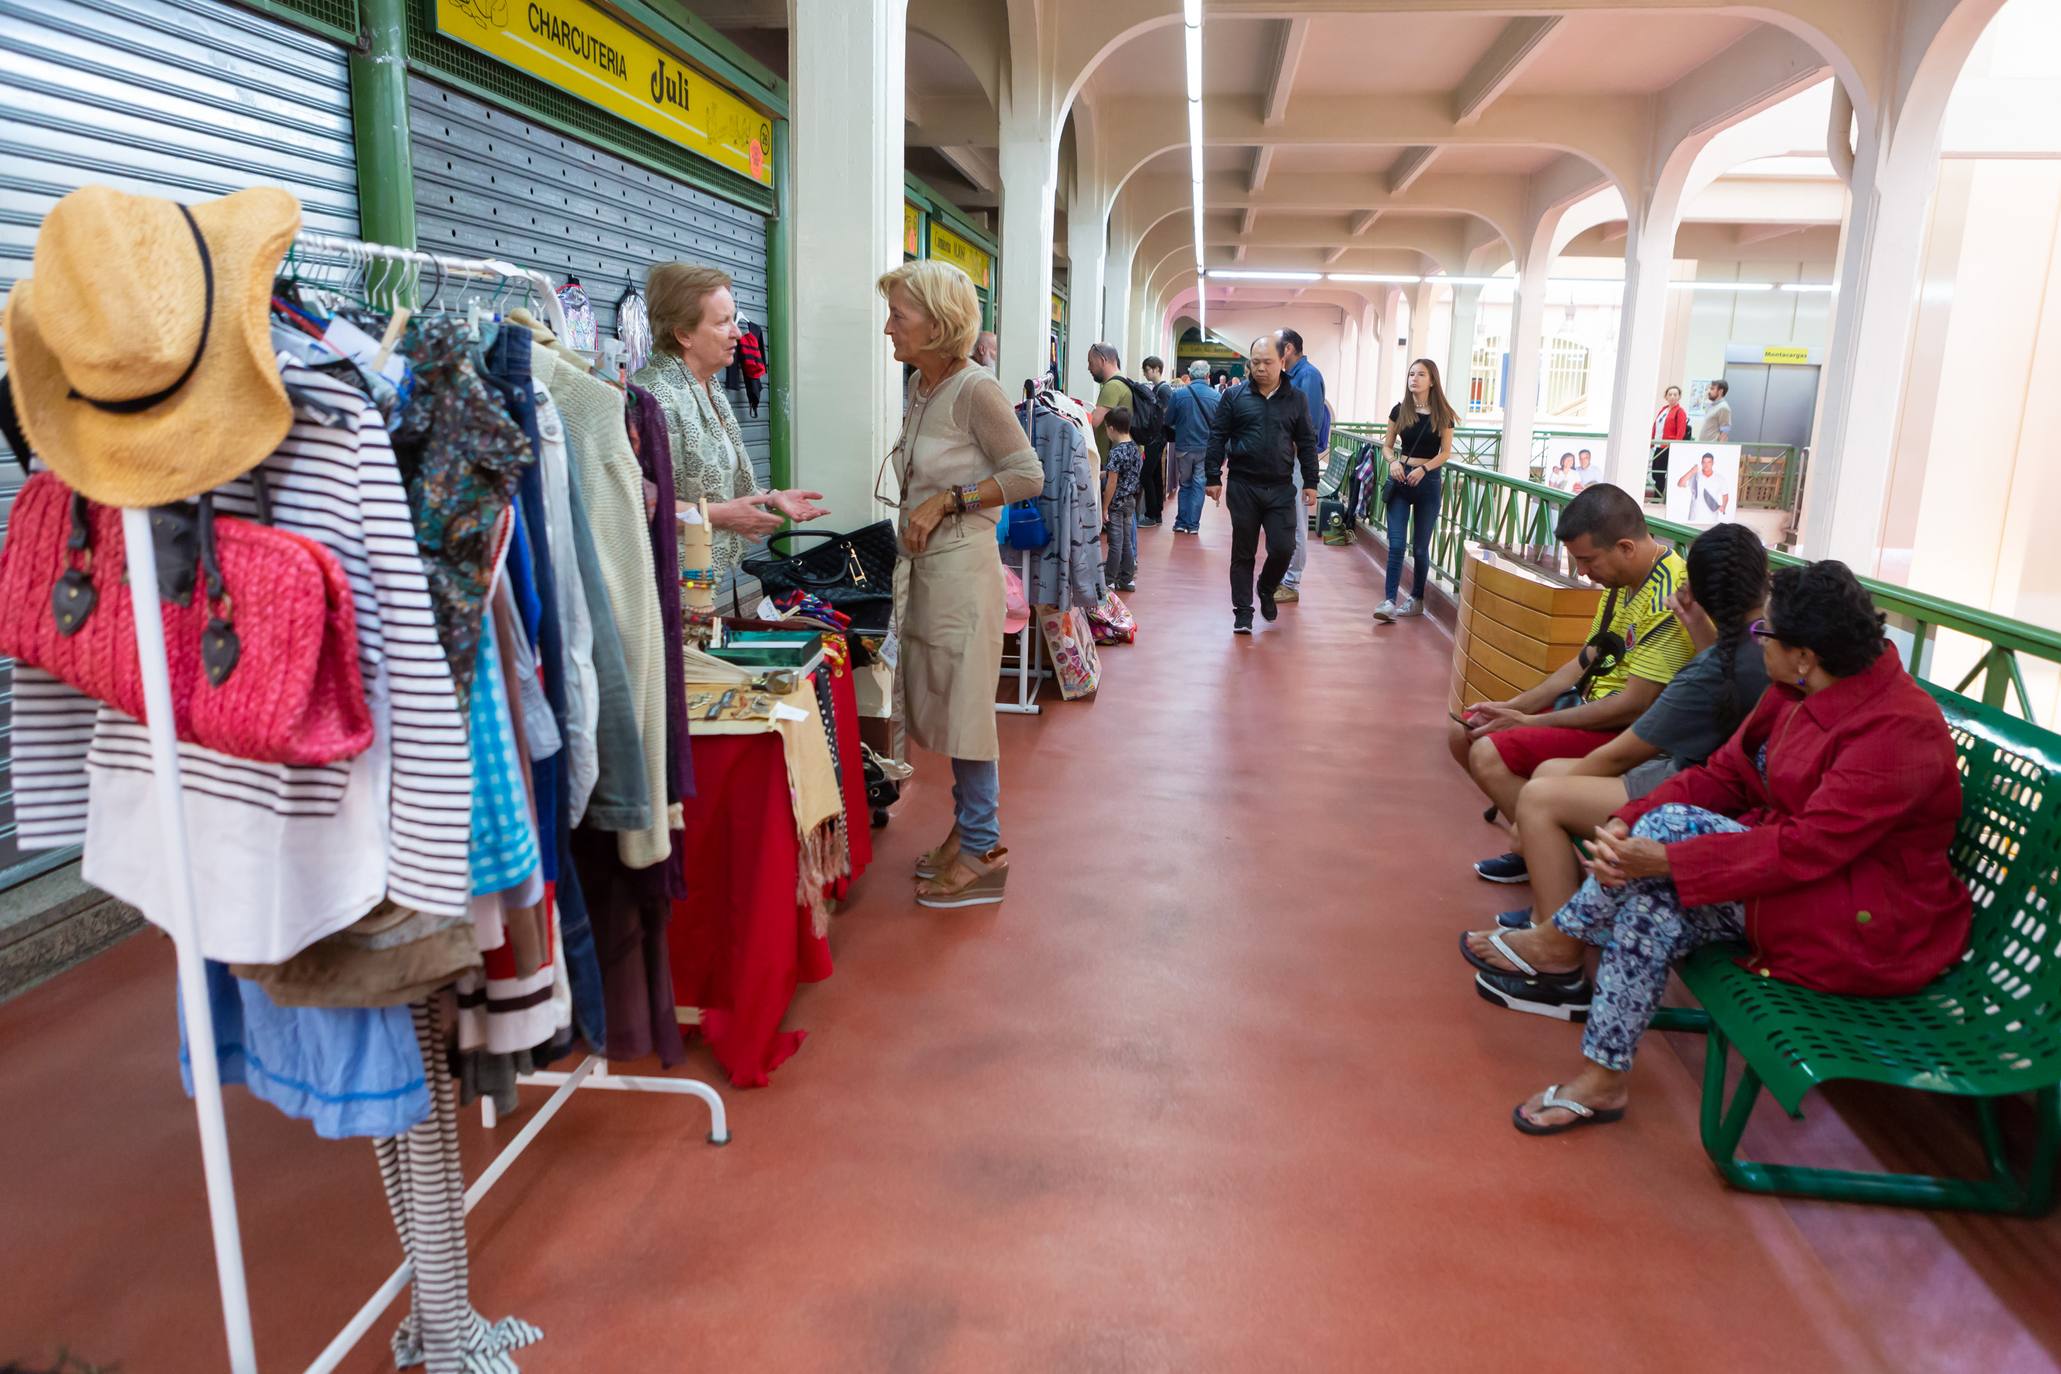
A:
x: 1029, y: 667
x: 401, y: 288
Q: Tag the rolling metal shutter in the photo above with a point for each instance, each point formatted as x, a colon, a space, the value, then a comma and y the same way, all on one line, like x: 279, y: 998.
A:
x: 187, y: 99
x: 489, y: 183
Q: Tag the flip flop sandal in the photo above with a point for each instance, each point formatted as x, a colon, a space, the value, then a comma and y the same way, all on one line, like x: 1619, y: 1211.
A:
x: 983, y: 888
x: 1553, y: 1101
x: 1518, y: 962
x: 928, y: 865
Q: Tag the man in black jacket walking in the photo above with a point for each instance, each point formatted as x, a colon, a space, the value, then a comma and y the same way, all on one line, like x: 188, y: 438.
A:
x: 1263, y: 429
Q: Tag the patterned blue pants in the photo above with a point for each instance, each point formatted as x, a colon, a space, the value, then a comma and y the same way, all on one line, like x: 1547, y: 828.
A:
x: 1642, y: 928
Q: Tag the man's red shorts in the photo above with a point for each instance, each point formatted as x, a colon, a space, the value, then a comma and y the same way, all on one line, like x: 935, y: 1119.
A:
x: 1528, y: 746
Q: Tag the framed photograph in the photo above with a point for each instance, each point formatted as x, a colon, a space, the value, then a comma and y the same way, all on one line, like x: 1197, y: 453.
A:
x: 1702, y: 482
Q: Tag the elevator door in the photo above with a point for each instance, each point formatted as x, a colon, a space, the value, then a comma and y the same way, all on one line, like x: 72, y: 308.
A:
x: 1772, y: 403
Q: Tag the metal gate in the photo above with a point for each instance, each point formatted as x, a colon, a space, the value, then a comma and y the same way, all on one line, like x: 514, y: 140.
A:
x: 491, y: 183
x: 187, y: 99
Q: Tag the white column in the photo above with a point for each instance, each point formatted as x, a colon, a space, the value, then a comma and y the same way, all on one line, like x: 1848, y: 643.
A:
x: 1030, y: 184
x: 1119, y: 324
x: 846, y: 57
x: 1861, y: 389
x: 1460, y: 346
x: 1421, y: 327
x: 1087, y: 250
x: 1649, y: 256
x: 1370, y: 404
x: 1387, y: 320
x: 1527, y: 328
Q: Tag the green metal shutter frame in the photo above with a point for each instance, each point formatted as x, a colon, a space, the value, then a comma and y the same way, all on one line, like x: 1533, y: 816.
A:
x: 186, y: 99
x: 490, y: 183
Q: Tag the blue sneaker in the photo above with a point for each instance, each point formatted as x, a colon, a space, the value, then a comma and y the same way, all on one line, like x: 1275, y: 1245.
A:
x: 1504, y: 868
x: 1519, y: 919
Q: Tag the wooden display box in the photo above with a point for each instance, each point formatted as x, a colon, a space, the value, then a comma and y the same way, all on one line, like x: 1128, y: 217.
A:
x: 1517, y: 623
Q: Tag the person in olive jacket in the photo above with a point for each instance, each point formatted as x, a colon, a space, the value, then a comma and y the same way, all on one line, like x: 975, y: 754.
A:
x: 1818, y: 835
x: 1263, y: 430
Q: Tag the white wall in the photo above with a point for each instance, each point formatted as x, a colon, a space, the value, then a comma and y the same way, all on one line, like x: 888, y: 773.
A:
x: 1323, y: 336
x: 1759, y: 319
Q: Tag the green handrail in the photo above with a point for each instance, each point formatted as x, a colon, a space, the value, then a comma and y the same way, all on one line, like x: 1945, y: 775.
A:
x: 1479, y: 505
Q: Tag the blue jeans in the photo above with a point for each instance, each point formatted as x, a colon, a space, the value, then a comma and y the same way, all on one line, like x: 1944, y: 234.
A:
x: 977, y: 803
x: 1188, y: 482
x: 1421, y: 499
x: 1121, y: 529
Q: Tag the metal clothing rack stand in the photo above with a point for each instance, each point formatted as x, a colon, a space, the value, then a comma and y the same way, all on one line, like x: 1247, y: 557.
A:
x: 1029, y: 666
x: 180, y: 900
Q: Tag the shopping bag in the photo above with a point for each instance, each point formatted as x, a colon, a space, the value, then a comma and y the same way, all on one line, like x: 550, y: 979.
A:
x: 1071, y: 645
x: 1111, y: 622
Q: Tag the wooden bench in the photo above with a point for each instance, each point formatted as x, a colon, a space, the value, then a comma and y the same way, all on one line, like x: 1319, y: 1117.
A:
x: 1988, y: 1028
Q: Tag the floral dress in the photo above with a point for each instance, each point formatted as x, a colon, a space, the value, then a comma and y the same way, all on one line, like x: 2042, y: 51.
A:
x: 710, y: 461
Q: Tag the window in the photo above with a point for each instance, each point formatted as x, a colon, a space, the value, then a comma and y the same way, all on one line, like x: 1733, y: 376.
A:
x: 1567, y: 376
x: 1485, y: 377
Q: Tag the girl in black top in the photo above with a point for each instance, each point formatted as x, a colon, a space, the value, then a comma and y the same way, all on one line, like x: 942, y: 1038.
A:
x: 1418, y: 442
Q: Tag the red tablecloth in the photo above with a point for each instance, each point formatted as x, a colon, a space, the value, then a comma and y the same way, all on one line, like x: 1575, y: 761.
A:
x: 740, y: 941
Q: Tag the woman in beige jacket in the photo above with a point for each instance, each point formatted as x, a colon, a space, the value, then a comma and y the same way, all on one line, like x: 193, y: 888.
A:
x: 960, y: 459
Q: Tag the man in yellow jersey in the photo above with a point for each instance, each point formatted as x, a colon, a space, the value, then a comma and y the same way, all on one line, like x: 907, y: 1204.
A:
x: 1635, y: 648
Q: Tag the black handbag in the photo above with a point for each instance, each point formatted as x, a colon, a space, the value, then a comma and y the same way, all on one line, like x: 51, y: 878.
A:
x: 854, y: 572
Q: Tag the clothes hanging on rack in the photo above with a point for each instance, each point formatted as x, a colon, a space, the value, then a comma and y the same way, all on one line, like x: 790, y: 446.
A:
x: 747, y: 370
x: 1068, y: 571
x: 581, y: 332
x: 633, y: 328
x: 294, y: 854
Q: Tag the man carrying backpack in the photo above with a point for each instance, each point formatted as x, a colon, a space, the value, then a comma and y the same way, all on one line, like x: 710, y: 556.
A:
x: 1111, y: 393
x: 1153, y: 492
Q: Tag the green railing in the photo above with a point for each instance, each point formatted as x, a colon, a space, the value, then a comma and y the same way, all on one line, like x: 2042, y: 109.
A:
x: 1770, y: 475
x: 1943, y: 642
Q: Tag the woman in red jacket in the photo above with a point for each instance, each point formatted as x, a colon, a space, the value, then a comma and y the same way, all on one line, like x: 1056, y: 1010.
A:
x: 1818, y: 835
x: 1670, y: 423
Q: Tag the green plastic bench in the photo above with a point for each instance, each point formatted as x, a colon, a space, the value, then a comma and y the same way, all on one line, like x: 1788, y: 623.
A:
x: 1988, y: 1028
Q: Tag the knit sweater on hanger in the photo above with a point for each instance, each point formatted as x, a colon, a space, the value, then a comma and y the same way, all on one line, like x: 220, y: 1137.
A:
x: 612, y: 489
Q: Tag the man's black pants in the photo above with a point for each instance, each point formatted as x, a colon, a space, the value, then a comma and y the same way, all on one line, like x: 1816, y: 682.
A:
x: 1152, y: 482
x: 1274, y: 508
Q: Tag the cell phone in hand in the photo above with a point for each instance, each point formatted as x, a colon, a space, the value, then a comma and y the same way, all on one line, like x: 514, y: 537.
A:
x: 1460, y: 718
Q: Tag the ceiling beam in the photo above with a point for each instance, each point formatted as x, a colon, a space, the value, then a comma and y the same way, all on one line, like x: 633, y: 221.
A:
x: 1514, y: 49
x: 1362, y: 222
x: 980, y: 166
x: 1333, y: 256
x: 1246, y: 219
x: 1238, y: 253
x: 1262, y: 164
x: 1615, y: 231
x: 1413, y: 163
x: 1747, y: 234
x: 1294, y: 35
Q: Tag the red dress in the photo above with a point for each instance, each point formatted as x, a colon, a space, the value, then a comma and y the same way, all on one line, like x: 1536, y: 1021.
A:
x: 1844, y: 868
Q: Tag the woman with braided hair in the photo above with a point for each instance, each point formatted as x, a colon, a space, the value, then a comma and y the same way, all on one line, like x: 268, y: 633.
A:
x: 1696, y: 712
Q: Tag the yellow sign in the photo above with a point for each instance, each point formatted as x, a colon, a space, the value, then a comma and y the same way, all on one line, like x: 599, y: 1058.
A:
x: 1785, y: 355
x: 1058, y: 309
x: 912, y: 230
x: 947, y: 246
x: 584, y: 51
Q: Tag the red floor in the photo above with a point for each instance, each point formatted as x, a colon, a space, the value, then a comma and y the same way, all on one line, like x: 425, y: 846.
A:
x: 1211, y: 1092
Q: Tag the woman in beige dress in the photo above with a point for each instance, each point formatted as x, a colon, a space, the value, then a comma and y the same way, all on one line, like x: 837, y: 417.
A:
x: 960, y: 459
x: 694, y: 330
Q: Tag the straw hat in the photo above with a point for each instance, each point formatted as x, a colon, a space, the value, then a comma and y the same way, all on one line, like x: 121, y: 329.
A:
x: 140, y: 350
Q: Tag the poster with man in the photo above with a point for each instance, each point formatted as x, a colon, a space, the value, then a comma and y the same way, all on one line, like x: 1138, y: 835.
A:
x: 1702, y: 482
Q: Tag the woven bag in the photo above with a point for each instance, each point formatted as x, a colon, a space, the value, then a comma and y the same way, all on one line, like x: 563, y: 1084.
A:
x: 263, y: 658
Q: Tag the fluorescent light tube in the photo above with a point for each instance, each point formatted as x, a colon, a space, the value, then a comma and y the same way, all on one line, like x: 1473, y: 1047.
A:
x: 1191, y: 13
x: 1470, y: 281
x: 1240, y: 274
x: 1721, y: 286
x: 1812, y: 286
x: 1371, y: 276
x: 1192, y: 46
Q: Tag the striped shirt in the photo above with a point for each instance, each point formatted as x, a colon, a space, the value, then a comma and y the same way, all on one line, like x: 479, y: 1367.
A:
x: 1656, y: 645
x: 287, y: 854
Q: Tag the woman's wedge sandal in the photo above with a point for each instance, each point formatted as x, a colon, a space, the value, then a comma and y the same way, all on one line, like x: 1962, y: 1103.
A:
x: 931, y: 864
x: 986, y: 877
x: 1553, y: 1101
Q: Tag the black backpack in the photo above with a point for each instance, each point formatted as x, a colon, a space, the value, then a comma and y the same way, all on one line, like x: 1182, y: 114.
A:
x: 1148, y: 416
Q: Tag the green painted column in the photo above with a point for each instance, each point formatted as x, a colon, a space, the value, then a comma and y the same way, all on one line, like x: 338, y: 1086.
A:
x: 379, y: 120
x: 780, y: 306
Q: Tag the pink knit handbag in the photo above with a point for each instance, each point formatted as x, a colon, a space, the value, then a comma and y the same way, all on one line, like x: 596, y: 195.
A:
x: 263, y: 658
